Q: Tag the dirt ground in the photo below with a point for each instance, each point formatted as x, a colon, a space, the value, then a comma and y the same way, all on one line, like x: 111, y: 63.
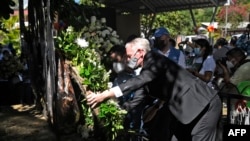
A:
x: 24, y: 123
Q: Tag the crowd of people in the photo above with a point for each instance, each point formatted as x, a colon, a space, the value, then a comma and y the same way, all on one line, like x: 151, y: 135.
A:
x: 171, y: 94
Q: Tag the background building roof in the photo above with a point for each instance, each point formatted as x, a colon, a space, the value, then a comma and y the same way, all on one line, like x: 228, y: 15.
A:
x: 156, y: 6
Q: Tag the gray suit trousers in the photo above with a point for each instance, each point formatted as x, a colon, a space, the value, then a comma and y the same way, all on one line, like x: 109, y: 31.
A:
x: 203, y: 128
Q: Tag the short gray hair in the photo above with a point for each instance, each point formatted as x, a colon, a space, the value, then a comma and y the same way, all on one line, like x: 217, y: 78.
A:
x: 139, y: 43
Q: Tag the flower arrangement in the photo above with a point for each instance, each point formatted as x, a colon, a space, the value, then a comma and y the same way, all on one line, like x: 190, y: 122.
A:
x: 100, y: 37
x: 87, y: 50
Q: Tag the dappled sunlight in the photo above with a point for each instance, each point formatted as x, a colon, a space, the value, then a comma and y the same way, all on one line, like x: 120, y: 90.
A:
x: 168, y: 78
x: 25, y: 123
x: 22, y: 122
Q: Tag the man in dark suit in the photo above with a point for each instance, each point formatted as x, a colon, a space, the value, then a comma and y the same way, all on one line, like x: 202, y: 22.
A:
x: 193, y: 107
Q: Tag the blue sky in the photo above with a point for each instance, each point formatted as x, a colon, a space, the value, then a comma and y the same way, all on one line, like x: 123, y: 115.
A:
x: 25, y: 3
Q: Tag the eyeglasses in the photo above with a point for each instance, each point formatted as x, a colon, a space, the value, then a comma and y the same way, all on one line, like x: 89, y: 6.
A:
x: 130, y: 56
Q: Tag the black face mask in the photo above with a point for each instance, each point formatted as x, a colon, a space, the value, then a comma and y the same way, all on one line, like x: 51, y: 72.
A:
x: 159, y: 44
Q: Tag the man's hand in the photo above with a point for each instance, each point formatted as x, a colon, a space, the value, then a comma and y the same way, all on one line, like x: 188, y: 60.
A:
x: 193, y: 71
x: 95, y: 99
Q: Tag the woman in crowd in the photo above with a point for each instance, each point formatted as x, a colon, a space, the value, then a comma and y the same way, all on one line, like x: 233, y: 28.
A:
x: 203, y: 64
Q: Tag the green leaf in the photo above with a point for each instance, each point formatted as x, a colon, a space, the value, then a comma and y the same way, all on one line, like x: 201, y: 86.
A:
x: 86, y: 73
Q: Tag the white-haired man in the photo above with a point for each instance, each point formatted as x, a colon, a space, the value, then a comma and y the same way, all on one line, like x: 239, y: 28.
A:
x: 191, y: 103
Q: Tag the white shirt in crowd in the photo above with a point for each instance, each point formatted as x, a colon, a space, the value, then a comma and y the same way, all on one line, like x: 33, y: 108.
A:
x: 209, y: 64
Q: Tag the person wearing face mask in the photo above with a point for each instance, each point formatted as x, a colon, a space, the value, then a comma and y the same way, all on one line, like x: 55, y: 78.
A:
x: 241, y: 66
x: 165, y: 47
x: 234, y: 78
x: 135, y: 102
x: 203, y: 64
x: 221, y: 47
x: 190, y: 103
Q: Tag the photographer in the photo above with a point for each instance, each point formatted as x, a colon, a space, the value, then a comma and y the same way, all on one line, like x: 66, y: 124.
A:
x: 221, y: 47
x: 241, y: 66
x: 239, y: 73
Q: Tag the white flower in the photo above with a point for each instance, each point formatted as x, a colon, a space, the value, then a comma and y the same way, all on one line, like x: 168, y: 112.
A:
x: 110, y: 84
x: 114, y: 33
x: 103, y: 20
x: 99, y: 66
x: 70, y: 29
x: 110, y: 29
x: 105, y: 32
x: 99, y: 32
x: 82, y: 42
x: 114, y: 40
x: 89, y: 60
x: 93, y: 19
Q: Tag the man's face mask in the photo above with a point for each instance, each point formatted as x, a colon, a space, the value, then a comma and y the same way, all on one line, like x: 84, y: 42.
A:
x: 132, y: 63
x: 118, y: 67
x: 159, y: 44
x: 233, y: 61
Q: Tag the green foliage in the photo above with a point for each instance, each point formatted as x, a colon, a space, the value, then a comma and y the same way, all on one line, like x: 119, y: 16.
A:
x: 94, y: 73
x: 236, y: 12
x: 65, y: 8
x: 87, y: 112
x: 91, y: 2
x: 87, y: 50
x: 10, y: 65
x: 203, y: 15
x: 10, y: 34
x: 112, y: 119
x: 85, y: 58
x: 181, y: 21
x: 177, y: 22
x: 66, y: 41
